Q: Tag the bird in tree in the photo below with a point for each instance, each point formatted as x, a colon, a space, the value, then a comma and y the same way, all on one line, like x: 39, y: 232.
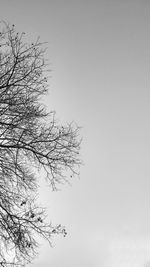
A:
x: 31, y: 143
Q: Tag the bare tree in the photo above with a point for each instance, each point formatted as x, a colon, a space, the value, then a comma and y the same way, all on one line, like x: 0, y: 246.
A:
x: 31, y: 142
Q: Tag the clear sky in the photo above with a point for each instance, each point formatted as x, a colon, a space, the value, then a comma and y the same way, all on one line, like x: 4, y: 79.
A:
x: 99, y: 53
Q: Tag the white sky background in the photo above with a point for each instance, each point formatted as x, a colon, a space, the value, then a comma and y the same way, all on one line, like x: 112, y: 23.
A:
x: 99, y: 52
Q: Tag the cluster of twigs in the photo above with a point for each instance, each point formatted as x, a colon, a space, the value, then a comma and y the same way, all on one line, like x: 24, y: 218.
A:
x: 30, y: 142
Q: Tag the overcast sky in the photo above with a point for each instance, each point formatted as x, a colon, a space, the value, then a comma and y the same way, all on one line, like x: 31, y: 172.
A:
x: 99, y: 53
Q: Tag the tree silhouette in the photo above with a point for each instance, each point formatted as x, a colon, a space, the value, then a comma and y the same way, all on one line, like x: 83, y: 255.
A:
x: 31, y: 143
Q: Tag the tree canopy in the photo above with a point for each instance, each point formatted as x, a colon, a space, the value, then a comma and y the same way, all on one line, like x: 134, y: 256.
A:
x: 31, y: 143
